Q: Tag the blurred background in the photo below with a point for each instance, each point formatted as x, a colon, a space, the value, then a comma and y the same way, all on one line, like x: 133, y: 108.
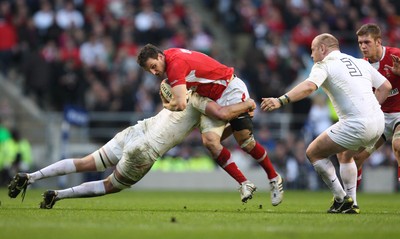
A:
x: 69, y: 80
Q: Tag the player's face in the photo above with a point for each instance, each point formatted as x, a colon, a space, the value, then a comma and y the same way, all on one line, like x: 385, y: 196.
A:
x: 156, y: 66
x: 369, y: 46
x: 316, y: 52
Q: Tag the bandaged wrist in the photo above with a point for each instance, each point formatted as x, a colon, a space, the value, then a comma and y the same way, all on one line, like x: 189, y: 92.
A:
x: 284, y: 100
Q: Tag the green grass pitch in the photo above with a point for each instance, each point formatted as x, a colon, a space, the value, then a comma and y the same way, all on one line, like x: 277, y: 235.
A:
x: 166, y: 214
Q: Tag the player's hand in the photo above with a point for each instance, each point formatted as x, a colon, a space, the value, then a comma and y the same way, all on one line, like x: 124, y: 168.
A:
x: 270, y: 104
x: 163, y: 100
x: 396, y: 65
x: 252, y: 104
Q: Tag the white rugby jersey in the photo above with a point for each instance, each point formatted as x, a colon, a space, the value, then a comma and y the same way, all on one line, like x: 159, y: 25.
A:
x: 169, y: 128
x: 348, y: 82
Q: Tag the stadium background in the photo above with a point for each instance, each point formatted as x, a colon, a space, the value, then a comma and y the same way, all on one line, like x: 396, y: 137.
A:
x: 49, y: 65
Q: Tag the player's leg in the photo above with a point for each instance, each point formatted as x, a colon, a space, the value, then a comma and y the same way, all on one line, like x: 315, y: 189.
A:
x: 318, y: 152
x: 243, y: 132
x: 396, y: 148
x: 99, y: 160
x: 112, y: 184
x: 362, y: 156
x: 133, y: 166
x: 211, y: 136
x: 348, y: 174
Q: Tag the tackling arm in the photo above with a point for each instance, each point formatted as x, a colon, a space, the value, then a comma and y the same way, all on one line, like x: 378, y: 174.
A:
x: 227, y: 113
x: 299, y: 92
x: 179, y: 98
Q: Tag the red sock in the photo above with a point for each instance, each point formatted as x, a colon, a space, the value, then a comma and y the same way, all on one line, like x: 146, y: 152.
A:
x: 398, y: 174
x: 359, y: 177
x: 230, y: 167
x: 260, y: 154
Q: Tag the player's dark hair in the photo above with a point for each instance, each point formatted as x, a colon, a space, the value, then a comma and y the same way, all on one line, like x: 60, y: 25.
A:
x: 148, y: 51
x: 370, y: 29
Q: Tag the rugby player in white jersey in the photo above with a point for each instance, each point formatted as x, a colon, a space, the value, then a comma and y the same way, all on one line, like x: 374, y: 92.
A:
x: 133, y: 151
x: 348, y: 82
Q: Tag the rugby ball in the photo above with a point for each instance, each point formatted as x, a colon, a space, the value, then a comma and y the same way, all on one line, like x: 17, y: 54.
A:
x: 165, y: 90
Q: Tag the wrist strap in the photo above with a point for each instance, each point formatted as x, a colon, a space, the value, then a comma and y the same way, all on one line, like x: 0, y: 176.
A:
x: 284, y: 100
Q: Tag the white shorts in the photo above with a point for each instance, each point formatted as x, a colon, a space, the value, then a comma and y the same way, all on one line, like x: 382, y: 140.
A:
x: 355, y: 133
x: 131, y: 147
x: 391, y: 119
x: 236, y: 92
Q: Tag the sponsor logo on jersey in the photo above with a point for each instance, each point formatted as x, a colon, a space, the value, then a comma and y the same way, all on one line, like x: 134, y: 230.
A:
x: 393, y: 92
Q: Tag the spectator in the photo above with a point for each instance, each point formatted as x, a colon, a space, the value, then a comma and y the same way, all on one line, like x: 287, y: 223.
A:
x: 21, y: 154
x: 5, y: 137
x: 93, y: 51
x: 8, y: 44
x: 68, y: 17
x: 319, y: 117
x: 44, y: 18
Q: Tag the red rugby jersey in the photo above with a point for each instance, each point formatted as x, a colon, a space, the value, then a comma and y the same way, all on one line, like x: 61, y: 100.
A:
x: 198, y: 71
x: 392, y: 103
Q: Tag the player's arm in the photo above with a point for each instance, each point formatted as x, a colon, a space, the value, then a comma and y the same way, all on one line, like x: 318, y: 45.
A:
x: 179, y: 98
x: 382, y: 92
x: 299, y: 92
x: 381, y: 84
x: 227, y: 113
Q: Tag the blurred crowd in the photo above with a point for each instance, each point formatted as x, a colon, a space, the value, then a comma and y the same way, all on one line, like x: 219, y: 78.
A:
x: 83, y: 53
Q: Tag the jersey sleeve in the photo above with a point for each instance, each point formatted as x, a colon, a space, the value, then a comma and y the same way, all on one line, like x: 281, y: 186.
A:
x: 377, y: 78
x: 176, y: 72
x: 318, y: 74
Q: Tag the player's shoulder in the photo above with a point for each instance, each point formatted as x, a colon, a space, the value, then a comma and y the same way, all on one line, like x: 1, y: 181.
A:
x: 389, y: 51
x: 392, y: 50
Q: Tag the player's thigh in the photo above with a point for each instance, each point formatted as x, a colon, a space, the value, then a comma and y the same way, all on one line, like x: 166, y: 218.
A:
x: 396, y: 141
x: 208, y: 124
x: 85, y: 164
x: 236, y: 92
x: 323, y: 147
x: 392, y: 124
x: 347, y: 155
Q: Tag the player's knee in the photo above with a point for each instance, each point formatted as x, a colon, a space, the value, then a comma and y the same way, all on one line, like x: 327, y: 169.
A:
x: 101, y: 161
x: 396, y: 146
x: 310, y: 155
x: 117, y: 182
x: 109, y: 187
x: 211, y: 142
x: 242, y: 122
x: 248, y: 144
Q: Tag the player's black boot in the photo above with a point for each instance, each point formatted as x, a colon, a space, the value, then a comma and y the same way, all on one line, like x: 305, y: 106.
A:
x: 18, y: 183
x: 49, y: 199
x: 341, y: 207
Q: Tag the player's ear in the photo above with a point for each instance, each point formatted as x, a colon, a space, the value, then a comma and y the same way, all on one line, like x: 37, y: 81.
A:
x: 379, y: 41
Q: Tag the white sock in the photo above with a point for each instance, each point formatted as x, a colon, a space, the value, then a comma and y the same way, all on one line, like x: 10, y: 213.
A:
x: 89, y: 189
x: 326, y: 170
x: 348, y: 173
x: 61, y: 167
